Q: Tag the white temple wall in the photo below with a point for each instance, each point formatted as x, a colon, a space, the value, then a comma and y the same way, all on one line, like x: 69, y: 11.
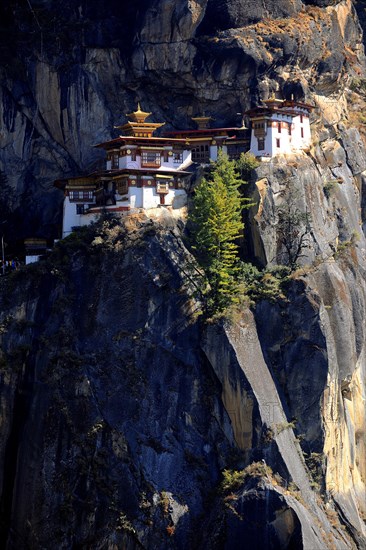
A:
x: 135, y: 197
x: 298, y: 140
x: 126, y: 161
x: 72, y: 219
x: 284, y: 141
x: 254, y: 145
x: 300, y: 136
x: 213, y: 152
x: 150, y: 198
x: 31, y: 259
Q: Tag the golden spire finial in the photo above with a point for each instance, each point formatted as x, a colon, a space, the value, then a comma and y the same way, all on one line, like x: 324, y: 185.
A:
x: 139, y: 115
x: 202, y: 122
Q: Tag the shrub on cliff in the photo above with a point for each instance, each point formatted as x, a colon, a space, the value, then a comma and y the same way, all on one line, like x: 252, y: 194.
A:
x: 293, y: 231
x: 269, y: 284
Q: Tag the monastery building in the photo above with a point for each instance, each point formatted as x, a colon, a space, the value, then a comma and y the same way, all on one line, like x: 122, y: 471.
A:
x: 145, y: 171
x: 279, y: 127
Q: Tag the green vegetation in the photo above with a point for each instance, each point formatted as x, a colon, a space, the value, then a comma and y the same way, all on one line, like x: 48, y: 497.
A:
x: 293, y: 231
x: 315, y: 463
x: 330, y: 187
x: 268, y: 284
x: 124, y: 524
x: 346, y: 246
x: 233, y: 479
x: 358, y: 85
x: 246, y: 164
x: 285, y: 426
x: 164, y: 502
x: 216, y: 221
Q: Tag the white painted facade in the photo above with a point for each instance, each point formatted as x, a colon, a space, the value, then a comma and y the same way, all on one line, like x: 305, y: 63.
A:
x: 279, y: 131
x: 131, y: 157
x: 141, y: 171
x: 144, y: 194
x: 31, y: 259
x: 72, y: 219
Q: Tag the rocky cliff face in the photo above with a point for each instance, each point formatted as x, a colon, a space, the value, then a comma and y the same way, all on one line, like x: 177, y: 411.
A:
x: 119, y: 409
x: 119, y: 432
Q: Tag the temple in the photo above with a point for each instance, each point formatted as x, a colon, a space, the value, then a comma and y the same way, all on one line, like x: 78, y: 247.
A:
x: 279, y: 127
x: 205, y: 142
x: 144, y: 171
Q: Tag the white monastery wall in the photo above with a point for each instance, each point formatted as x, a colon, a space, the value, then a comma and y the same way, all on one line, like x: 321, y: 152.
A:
x: 72, y: 219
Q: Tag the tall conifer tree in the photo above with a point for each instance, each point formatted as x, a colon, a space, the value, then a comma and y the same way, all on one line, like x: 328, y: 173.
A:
x: 217, y: 224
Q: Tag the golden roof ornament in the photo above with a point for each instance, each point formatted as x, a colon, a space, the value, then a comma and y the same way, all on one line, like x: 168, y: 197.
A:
x: 138, y: 115
x: 136, y: 125
x: 202, y: 122
x: 273, y: 101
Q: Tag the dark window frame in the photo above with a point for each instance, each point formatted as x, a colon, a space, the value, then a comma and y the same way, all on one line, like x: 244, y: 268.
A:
x: 261, y: 144
x: 150, y: 158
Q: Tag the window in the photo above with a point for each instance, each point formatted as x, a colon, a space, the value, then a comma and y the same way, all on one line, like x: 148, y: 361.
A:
x: 290, y: 129
x: 133, y: 154
x: 80, y: 209
x: 162, y: 187
x: 201, y: 154
x: 178, y: 158
x: 279, y: 127
x: 81, y: 196
x: 166, y: 156
x: 302, y: 132
x: 301, y: 118
x: 234, y: 151
x: 115, y: 160
x: 260, y: 144
x: 122, y: 187
x: 150, y: 158
x: 278, y: 143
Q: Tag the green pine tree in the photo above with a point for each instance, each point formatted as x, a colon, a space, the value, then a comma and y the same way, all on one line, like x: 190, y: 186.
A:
x: 217, y: 223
